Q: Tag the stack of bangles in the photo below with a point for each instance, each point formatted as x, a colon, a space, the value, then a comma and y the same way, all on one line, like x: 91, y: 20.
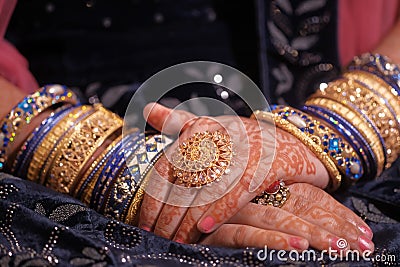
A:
x: 351, y: 124
x: 79, y: 150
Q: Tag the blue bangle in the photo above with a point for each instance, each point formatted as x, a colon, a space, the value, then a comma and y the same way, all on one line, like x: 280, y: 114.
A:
x: 22, y: 161
x: 105, y: 179
x: 332, y: 144
x: 351, y: 134
x: 27, y: 109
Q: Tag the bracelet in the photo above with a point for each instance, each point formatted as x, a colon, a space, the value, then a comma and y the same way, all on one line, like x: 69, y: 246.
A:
x: 373, y: 82
x: 23, y: 113
x: 379, y: 65
x: 338, y: 149
x: 76, y: 149
x: 155, y: 146
x: 359, y: 123
x: 84, y: 189
x: 318, y: 151
x: 45, y: 151
x: 22, y: 160
x: 113, y: 164
x: 360, y: 99
x: 351, y: 134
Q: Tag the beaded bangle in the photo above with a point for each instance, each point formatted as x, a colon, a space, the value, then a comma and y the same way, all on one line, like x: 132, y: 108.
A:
x: 46, y: 150
x: 359, y: 123
x: 75, y: 151
x: 285, y: 125
x: 359, y: 144
x: 340, y: 151
x: 379, y: 65
x: 372, y: 106
x: 25, y: 154
x: 32, y: 105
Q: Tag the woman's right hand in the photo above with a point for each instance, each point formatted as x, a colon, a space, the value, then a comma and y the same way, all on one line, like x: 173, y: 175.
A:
x: 310, y: 217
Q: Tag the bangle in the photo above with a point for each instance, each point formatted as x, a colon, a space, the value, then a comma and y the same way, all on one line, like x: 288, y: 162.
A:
x: 155, y: 146
x: 318, y: 151
x: 22, y: 160
x: 379, y: 65
x: 23, y: 113
x: 356, y: 119
x: 92, y: 174
x: 338, y: 149
x: 113, y: 163
x: 373, y: 82
x: 362, y: 100
x: 45, y: 151
x: 76, y: 149
x: 351, y: 134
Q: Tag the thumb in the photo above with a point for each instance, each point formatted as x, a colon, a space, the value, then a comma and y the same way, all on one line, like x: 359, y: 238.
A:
x: 166, y: 120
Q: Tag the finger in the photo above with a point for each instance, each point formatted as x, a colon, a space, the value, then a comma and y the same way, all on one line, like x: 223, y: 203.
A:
x: 314, y: 211
x: 166, y: 120
x: 239, y: 236
x: 276, y: 219
x: 187, y: 231
x: 330, y: 204
x: 155, y: 195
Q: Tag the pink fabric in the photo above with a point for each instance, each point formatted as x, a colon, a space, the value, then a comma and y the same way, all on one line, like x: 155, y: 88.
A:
x: 13, y: 66
x: 363, y: 24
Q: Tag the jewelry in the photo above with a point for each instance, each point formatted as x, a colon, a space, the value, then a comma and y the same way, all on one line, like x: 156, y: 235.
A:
x: 75, y: 150
x: 26, y: 110
x: 309, y: 142
x: 379, y: 65
x: 362, y: 100
x: 202, y: 159
x: 363, y: 126
x: 25, y: 154
x: 275, y: 195
x: 352, y: 135
x: 46, y: 150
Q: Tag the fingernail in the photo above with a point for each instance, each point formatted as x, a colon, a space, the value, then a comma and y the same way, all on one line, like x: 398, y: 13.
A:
x: 207, y: 224
x: 365, y: 244
x: 298, y: 243
x: 180, y: 241
x: 338, y: 243
x: 145, y: 228
x: 366, y: 231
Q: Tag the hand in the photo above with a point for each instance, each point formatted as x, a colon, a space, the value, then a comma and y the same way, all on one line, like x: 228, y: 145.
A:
x: 309, y: 217
x: 293, y: 162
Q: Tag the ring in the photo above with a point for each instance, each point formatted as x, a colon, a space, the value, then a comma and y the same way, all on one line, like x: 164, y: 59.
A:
x: 202, y: 159
x: 275, y: 195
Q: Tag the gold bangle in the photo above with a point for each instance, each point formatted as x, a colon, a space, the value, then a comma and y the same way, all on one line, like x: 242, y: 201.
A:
x: 379, y: 85
x: 45, y: 150
x: 75, y: 151
x: 363, y: 126
x: 329, y: 164
x: 356, y: 96
x: 316, y: 149
x: 96, y: 164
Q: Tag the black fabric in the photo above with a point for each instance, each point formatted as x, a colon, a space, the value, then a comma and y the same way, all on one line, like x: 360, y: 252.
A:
x: 108, y: 48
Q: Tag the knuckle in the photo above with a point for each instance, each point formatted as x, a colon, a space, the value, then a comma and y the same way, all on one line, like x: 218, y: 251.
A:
x: 238, y: 236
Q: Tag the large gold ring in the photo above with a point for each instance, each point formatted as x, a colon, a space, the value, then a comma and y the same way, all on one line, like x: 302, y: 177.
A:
x: 275, y: 195
x: 202, y: 159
